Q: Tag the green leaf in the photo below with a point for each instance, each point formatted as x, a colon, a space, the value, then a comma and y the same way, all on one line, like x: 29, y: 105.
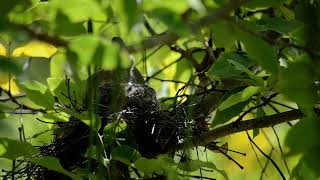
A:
x: 149, y: 166
x: 260, y: 113
x: 38, y: 93
x: 64, y: 27
x: 296, y: 140
x: 53, y: 164
x: 57, y: 65
x: 179, y: 6
x: 7, y: 65
x: 193, y: 165
x: 125, y: 154
x: 303, y: 172
x: 296, y: 82
x: 35, y: 86
x: 90, y: 119
x: 241, y: 96
x: 225, y: 115
x: 78, y: 10
x: 12, y: 149
x: 172, y: 20
x: 223, y: 69
x: 262, y: 4
x: 277, y: 24
x: 7, y: 5
x: 92, y: 50
x: 258, y: 80
x: 128, y: 13
x: 259, y: 50
x: 95, y: 153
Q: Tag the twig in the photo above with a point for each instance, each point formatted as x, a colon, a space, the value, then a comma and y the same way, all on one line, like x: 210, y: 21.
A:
x: 255, y: 107
x: 268, y: 157
x: 265, y: 166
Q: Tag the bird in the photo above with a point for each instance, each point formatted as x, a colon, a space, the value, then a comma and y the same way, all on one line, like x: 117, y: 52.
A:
x: 140, y: 97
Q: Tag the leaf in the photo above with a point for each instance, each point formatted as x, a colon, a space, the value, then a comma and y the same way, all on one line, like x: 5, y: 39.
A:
x: 35, y: 49
x: 128, y: 13
x: 90, y: 49
x: 38, y: 93
x: 173, y: 21
x: 57, y: 65
x: 9, y: 83
x: 262, y: 4
x: 94, y: 153
x: 149, y: 166
x: 258, y: 80
x: 12, y: 149
x: 296, y: 82
x: 278, y: 24
x: 53, y: 164
x: 35, y: 85
x: 303, y: 171
x: 179, y: 6
x: 287, y: 13
x: 125, y: 154
x: 309, y: 128
x: 259, y: 50
x: 223, y: 69
x: 7, y: 5
x: 9, y: 66
x: 3, y: 50
x: 89, y: 118
x: 64, y: 27
x: 225, y: 115
x: 78, y: 10
x: 260, y: 113
x: 193, y: 165
x: 241, y: 96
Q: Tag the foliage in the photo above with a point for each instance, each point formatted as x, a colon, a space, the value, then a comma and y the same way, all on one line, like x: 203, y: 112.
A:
x: 75, y: 66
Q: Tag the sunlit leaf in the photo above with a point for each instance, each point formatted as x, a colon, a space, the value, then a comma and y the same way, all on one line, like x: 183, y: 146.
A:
x: 35, y: 49
x: 57, y: 65
x: 3, y: 50
x: 12, y: 149
x: 179, y: 6
x: 79, y: 10
x: 53, y: 164
x: 8, y: 82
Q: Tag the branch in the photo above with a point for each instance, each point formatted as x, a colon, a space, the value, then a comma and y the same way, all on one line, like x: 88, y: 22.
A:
x: 235, y: 127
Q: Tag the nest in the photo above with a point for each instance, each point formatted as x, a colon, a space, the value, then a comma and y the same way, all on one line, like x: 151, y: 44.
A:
x: 154, y: 130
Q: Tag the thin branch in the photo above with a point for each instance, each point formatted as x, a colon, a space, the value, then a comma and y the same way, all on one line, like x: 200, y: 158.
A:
x: 268, y: 157
x: 265, y: 166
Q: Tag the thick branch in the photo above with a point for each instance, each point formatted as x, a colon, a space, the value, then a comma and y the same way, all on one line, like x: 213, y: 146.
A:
x: 236, y: 127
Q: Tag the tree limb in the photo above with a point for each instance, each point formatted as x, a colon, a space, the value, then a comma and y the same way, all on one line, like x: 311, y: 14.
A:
x: 236, y: 127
